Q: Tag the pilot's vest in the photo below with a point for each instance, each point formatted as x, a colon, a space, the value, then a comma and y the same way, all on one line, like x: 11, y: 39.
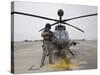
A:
x: 47, y: 35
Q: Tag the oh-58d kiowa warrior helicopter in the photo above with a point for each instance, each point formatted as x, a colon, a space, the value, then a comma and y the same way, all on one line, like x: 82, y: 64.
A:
x: 61, y: 40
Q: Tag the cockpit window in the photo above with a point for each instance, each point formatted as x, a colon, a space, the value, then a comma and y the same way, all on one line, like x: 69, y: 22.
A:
x: 62, y: 34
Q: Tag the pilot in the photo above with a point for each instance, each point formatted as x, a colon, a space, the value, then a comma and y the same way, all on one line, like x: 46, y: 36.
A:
x: 47, y: 46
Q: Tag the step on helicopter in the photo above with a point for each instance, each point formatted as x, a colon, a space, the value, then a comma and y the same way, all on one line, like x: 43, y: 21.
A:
x: 61, y: 34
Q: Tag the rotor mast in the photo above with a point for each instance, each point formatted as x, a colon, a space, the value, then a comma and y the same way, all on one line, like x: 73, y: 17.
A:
x: 60, y: 14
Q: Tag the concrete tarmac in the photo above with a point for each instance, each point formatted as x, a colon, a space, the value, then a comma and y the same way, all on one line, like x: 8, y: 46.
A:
x: 27, y: 57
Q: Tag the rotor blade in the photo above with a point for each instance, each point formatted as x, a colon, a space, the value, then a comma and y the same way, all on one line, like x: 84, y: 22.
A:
x: 33, y: 16
x: 51, y: 25
x: 55, y: 23
x: 80, y: 17
x: 73, y: 26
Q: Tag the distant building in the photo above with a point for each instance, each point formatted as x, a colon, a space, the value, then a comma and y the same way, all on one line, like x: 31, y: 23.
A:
x: 37, y: 40
x: 28, y: 41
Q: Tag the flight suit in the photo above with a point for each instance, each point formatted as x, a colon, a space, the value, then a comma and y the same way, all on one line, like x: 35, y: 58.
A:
x: 47, y: 46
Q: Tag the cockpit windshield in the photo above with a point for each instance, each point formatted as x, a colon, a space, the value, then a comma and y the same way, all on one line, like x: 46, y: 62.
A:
x: 61, y: 34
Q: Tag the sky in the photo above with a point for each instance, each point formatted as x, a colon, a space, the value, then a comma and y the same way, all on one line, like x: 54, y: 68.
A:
x: 26, y: 27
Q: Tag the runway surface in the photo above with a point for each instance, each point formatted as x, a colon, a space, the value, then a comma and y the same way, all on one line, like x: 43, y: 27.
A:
x: 27, y: 57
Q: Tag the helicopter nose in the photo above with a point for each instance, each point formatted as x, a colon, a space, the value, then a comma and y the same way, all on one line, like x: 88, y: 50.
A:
x: 60, y: 12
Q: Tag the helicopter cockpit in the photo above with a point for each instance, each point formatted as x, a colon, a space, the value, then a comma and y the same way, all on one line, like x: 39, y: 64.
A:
x: 62, y: 35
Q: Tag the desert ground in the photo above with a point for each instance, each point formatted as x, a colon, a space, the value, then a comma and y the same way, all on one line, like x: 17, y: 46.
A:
x: 27, y: 57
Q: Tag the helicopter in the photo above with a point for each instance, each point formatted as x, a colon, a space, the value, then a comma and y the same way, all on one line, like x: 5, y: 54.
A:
x: 62, y: 40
